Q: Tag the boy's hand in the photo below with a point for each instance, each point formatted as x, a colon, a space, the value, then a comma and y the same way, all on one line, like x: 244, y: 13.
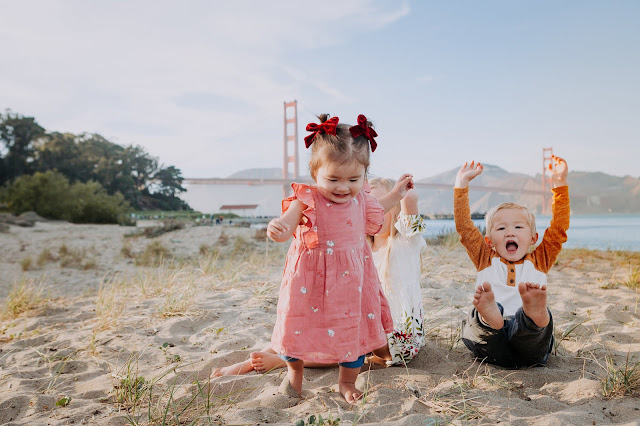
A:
x: 466, y: 174
x: 559, y: 171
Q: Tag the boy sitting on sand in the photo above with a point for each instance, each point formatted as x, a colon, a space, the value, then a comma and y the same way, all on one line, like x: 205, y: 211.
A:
x: 510, y: 324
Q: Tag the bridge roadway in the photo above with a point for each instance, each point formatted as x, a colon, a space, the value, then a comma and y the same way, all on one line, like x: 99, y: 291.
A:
x: 234, y: 181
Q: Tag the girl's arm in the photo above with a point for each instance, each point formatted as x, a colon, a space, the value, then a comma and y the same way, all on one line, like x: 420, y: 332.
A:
x: 398, y: 192
x: 282, y: 228
x: 409, y: 204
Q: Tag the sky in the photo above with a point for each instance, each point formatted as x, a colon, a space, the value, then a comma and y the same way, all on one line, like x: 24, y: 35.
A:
x: 200, y: 85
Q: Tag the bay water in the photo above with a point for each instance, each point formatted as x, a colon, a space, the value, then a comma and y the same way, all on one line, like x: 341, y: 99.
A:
x: 598, y: 232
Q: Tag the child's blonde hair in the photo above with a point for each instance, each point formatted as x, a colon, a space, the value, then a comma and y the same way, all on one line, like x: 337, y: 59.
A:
x: 531, y: 218
x: 340, y: 149
x: 387, y: 185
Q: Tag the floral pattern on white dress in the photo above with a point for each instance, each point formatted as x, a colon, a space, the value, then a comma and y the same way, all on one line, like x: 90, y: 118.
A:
x: 400, y: 277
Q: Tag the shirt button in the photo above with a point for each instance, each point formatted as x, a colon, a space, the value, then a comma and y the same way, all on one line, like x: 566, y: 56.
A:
x: 511, y: 281
x: 511, y: 270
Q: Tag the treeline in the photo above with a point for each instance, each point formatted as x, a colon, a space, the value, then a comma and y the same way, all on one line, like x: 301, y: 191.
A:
x: 81, y: 178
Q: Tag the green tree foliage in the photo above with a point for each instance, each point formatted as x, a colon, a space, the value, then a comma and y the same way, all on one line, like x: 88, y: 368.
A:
x: 128, y: 170
x: 18, y: 134
x: 52, y: 196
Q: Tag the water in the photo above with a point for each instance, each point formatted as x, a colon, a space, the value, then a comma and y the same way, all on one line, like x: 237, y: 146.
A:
x: 598, y: 232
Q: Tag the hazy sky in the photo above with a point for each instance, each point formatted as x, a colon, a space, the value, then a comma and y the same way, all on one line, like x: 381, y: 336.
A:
x: 201, y: 84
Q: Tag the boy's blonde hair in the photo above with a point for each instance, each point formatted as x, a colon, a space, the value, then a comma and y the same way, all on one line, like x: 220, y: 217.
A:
x: 340, y: 149
x: 531, y: 218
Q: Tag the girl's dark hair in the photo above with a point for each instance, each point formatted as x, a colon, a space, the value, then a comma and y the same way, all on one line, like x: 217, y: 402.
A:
x: 341, y: 148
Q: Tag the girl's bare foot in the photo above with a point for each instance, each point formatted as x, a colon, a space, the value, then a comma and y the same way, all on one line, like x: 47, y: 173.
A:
x: 534, y: 302
x: 236, y: 369
x: 347, y: 384
x: 263, y: 362
x: 485, y: 303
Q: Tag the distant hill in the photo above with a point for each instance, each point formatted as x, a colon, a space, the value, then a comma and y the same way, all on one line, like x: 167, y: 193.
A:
x: 266, y: 173
x: 591, y: 192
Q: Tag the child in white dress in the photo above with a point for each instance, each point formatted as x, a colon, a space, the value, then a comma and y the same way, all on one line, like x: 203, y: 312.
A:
x: 396, y: 254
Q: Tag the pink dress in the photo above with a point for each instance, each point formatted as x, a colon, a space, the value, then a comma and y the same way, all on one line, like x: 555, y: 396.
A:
x: 331, y: 307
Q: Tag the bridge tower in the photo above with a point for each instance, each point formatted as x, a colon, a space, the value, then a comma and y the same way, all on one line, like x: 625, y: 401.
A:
x: 290, y: 137
x: 546, y: 180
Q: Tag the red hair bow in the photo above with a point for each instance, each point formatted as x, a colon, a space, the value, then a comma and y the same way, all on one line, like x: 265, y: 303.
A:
x: 328, y: 127
x: 363, y: 130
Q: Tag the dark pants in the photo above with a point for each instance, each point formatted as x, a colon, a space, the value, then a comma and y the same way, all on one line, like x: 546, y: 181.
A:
x: 520, y: 343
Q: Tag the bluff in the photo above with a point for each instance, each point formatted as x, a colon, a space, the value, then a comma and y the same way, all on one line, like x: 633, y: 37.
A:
x: 590, y: 192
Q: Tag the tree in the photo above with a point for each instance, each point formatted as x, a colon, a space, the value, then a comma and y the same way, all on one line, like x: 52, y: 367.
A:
x: 18, y: 135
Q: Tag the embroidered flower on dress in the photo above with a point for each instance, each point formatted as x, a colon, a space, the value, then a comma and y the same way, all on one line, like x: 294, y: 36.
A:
x: 345, y: 273
x: 303, y: 290
x: 331, y: 332
x: 348, y: 313
x: 349, y: 222
x: 308, y: 191
x: 355, y: 200
x: 315, y: 229
x: 360, y: 289
x: 314, y: 309
x: 371, y: 316
x: 331, y: 243
x: 329, y: 250
x: 348, y: 354
x: 329, y: 204
x: 297, y: 332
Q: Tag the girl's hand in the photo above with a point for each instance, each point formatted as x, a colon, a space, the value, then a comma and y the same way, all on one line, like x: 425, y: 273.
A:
x: 467, y: 173
x: 559, y: 171
x: 403, y: 185
x: 276, y: 229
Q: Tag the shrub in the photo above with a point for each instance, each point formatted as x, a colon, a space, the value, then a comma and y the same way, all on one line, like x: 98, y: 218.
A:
x: 50, y: 195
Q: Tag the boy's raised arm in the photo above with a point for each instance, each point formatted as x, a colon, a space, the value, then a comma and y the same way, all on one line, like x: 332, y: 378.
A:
x: 470, y: 236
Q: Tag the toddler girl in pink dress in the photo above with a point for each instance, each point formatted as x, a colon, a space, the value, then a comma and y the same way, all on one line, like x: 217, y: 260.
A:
x: 331, y: 307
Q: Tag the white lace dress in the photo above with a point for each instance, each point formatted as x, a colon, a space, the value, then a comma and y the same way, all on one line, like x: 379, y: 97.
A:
x: 400, y: 278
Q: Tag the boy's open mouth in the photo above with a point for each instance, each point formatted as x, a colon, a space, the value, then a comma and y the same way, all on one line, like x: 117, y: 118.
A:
x: 512, y: 246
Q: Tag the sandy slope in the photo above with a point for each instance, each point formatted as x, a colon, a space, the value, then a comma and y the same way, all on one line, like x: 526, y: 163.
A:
x: 171, y: 325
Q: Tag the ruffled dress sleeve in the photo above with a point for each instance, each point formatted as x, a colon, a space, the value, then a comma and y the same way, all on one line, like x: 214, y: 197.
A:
x: 304, y: 194
x: 374, y: 214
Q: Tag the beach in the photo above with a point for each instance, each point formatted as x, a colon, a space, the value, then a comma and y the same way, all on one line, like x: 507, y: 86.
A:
x: 104, y: 325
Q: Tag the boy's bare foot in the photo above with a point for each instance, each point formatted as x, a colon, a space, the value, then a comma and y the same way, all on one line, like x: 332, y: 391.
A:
x: 264, y: 362
x: 485, y: 303
x: 347, y: 384
x: 231, y: 370
x: 534, y: 302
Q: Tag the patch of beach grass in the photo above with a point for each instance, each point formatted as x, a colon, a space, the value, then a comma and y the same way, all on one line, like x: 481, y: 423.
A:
x: 633, y: 277
x: 451, y: 399
x: 168, y: 397
x: 153, y: 255
x: 23, y: 296
x: 45, y: 256
x: 179, y: 300
x: 445, y: 238
x: 620, y: 380
x: 26, y: 263
x: 564, y: 333
x: 110, y: 302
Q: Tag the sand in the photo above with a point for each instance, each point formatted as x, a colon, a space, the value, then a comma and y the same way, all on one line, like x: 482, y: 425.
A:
x: 109, y: 336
